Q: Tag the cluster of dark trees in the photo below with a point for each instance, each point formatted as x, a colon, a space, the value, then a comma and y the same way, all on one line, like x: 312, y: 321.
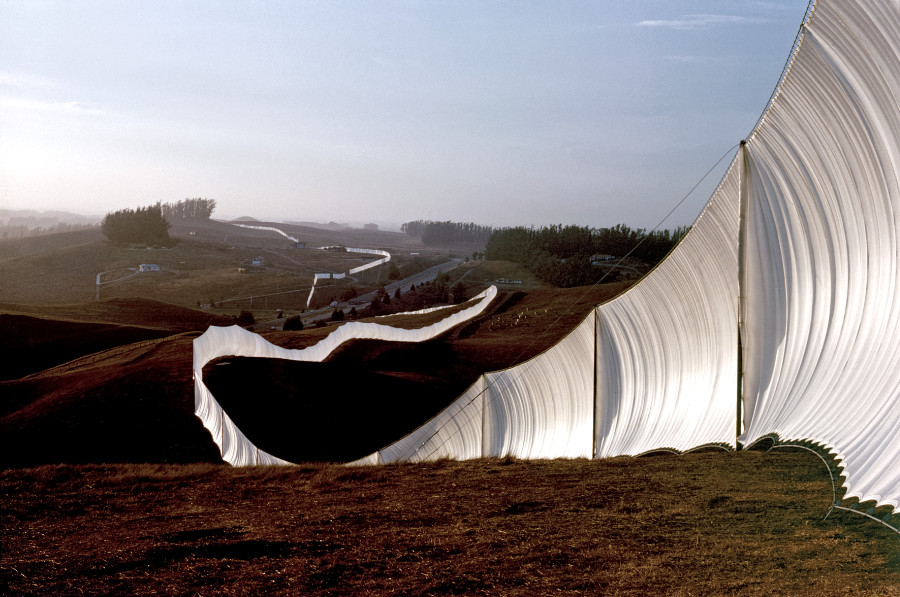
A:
x: 428, y: 294
x: 436, y: 233
x: 197, y: 207
x: 561, y: 255
x: 144, y: 225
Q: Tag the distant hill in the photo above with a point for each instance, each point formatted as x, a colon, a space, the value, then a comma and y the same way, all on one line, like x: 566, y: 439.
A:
x: 139, y: 312
x: 328, y: 226
x: 29, y: 223
x: 31, y: 218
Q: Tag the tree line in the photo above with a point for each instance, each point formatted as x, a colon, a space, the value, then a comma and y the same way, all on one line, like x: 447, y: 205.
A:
x: 197, y: 207
x: 144, y: 225
x: 561, y: 255
x: 428, y: 294
x: 437, y: 233
x: 23, y: 231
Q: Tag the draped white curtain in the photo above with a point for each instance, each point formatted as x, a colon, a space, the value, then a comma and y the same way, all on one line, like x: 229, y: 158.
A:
x: 821, y: 355
x: 799, y: 249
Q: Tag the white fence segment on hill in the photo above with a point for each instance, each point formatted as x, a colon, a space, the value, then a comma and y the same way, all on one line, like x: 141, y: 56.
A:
x: 385, y: 257
x: 218, y: 342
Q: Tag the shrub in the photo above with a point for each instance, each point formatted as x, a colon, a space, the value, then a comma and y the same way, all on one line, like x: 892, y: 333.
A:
x: 246, y: 318
x: 293, y: 324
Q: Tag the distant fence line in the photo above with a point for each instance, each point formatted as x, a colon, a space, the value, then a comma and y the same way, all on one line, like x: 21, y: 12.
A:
x: 385, y: 257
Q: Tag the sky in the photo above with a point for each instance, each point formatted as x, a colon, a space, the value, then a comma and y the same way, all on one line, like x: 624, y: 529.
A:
x: 497, y: 112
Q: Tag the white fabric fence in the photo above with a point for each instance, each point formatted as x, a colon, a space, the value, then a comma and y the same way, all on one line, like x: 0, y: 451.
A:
x: 218, y: 342
x: 798, y: 253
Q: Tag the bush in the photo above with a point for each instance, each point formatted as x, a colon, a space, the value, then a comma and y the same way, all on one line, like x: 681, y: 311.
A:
x: 459, y: 292
x: 293, y: 324
x: 246, y: 318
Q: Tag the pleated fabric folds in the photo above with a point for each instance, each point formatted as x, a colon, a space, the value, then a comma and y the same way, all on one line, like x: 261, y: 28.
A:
x: 822, y: 362
x: 667, y: 348
x: 543, y: 408
x: 654, y: 368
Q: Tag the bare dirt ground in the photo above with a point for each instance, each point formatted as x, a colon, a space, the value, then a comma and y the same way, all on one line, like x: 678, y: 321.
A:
x: 745, y: 523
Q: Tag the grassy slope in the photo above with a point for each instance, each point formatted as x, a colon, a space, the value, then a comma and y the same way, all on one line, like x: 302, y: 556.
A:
x: 129, y: 404
x: 702, y: 524
x: 36, y: 337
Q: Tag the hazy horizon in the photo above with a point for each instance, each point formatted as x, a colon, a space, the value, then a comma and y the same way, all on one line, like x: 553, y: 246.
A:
x: 501, y: 114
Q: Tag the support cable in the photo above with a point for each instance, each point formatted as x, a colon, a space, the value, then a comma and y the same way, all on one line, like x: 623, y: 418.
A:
x: 835, y: 502
x: 787, y: 65
x: 517, y: 359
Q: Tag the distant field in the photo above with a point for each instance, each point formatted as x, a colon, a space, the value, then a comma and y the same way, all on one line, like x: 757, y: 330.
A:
x: 213, y: 264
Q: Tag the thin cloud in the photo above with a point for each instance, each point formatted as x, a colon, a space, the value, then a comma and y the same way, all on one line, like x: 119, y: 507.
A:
x: 703, y: 21
x: 30, y: 105
x: 691, y: 59
x: 22, y: 80
x: 774, y: 6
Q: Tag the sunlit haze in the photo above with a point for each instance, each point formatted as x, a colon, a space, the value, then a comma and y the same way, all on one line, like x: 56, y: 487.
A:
x: 501, y: 113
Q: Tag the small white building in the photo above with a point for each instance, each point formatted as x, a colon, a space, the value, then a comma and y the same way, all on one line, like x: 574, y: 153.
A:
x: 598, y: 259
x: 257, y: 261
x: 148, y: 267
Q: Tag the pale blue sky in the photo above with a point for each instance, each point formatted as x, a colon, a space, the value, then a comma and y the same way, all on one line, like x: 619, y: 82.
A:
x: 498, y: 112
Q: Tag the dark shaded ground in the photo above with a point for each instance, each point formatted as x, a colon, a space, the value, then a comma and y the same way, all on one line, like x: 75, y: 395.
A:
x: 701, y: 524
x: 134, y: 403
x: 35, y: 338
x: 31, y: 344
x: 340, y: 410
x: 129, y: 404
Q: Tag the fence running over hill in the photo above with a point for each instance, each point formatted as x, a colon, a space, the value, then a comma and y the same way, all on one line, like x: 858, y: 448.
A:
x: 235, y: 341
x: 385, y: 257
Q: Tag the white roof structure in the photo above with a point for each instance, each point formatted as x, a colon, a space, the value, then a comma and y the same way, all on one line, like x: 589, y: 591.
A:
x: 794, y: 264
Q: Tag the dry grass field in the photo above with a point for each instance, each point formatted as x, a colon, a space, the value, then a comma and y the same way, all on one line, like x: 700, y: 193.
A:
x: 700, y: 524
x: 110, y: 485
